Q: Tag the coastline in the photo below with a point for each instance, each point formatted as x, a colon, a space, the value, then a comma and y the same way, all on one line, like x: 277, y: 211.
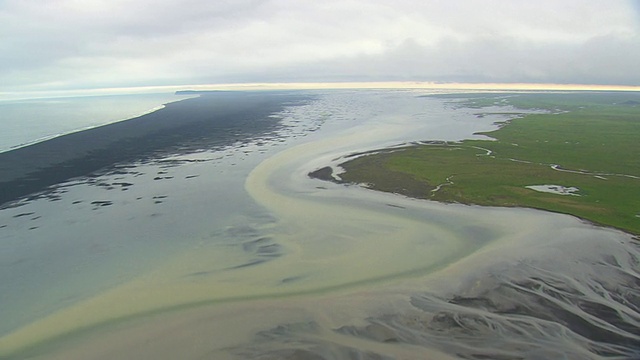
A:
x: 76, y: 239
x: 48, y: 118
x: 310, y: 269
x: 499, y: 173
x: 520, y: 243
x: 180, y: 127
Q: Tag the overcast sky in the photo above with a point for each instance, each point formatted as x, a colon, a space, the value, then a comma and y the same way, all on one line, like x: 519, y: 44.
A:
x: 76, y: 44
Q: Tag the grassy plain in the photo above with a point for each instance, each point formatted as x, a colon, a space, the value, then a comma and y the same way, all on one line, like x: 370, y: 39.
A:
x: 593, y: 137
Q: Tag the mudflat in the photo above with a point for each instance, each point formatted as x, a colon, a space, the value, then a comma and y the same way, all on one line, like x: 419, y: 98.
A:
x: 212, y: 120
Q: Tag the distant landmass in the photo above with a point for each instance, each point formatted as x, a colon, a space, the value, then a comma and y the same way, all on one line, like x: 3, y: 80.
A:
x: 202, y: 92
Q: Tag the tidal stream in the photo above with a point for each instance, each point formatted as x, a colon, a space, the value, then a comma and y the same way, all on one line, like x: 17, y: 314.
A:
x: 234, y: 252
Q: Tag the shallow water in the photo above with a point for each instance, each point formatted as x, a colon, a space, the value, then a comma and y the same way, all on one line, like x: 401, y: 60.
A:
x: 235, y: 253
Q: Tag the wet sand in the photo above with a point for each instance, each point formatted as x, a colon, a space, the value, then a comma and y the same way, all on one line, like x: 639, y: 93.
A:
x: 335, y: 272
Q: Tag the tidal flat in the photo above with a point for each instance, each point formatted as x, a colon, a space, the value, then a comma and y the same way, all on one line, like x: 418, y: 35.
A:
x: 228, y: 250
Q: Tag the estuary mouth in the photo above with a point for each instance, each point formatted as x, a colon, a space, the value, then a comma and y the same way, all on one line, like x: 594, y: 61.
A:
x: 234, y: 252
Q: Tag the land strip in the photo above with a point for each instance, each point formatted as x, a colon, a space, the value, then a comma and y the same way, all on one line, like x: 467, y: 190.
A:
x: 585, y: 151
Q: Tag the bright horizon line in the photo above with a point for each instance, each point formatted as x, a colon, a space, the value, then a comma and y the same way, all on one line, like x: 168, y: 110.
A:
x: 400, y: 85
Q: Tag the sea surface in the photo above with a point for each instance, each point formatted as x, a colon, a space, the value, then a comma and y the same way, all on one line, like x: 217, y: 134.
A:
x: 28, y: 121
x: 195, y: 232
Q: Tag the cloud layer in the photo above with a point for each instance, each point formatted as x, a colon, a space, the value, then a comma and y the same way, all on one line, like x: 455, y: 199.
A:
x: 67, y: 44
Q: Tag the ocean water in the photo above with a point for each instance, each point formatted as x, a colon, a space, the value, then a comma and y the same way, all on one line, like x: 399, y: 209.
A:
x: 28, y: 121
x: 232, y: 252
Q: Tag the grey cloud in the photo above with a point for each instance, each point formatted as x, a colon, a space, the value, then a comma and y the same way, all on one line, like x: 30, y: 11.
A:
x: 601, y: 60
x: 54, y: 44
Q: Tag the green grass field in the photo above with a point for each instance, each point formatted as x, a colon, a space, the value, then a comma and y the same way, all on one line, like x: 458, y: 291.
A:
x: 594, y: 135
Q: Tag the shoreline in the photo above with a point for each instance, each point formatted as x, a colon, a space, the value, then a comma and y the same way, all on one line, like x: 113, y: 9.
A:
x: 48, y: 118
x: 348, y: 272
x: 180, y: 127
x: 493, y: 172
x: 520, y: 240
